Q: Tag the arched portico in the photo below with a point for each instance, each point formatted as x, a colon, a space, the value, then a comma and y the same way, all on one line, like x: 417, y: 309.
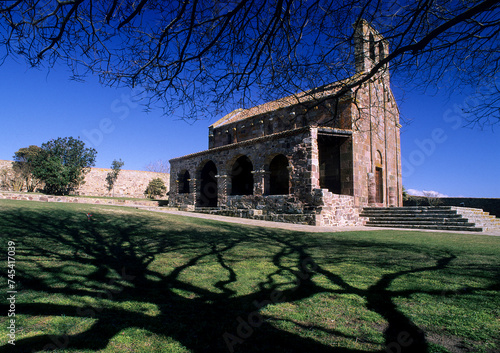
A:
x: 207, y: 186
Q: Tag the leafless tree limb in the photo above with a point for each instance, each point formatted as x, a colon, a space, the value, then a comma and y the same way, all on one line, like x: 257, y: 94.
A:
x: 206, y: 57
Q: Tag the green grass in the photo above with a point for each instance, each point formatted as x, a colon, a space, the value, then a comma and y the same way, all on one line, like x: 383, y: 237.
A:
x: 135, y: 281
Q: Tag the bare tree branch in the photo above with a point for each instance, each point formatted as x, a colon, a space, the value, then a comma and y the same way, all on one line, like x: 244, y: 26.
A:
x: 204, y: 58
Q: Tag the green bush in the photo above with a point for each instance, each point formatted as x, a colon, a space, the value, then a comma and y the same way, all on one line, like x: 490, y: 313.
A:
x: 156, y: 187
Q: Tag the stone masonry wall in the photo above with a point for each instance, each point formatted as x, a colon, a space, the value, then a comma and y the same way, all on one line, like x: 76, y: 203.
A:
x: 130, y: 183
x: 305, y: 203
x: 376, y: 144
x: 295, y: 145
x: 75, y: 199
x: 283, y: 119
x: 336, y: 210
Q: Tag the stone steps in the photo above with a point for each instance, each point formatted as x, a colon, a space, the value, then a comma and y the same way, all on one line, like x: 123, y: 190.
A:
x: 478, y: 216
x: 419, y: 217
x: 427, y: 227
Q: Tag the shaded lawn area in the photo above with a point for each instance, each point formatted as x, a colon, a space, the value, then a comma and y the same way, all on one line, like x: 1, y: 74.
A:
x: 137, y: 281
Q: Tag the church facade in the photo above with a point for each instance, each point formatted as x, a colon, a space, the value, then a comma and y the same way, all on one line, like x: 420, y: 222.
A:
x: 312, y: 158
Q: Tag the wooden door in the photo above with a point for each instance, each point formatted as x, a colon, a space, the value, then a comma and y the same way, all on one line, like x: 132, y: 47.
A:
x: 379, y: 186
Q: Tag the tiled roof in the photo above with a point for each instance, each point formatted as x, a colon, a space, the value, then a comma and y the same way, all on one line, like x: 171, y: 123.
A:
x: 299, y: 98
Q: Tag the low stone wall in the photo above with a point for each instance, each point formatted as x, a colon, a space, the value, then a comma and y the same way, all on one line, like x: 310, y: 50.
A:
x: 336, y: 210
x: 328, y: 209
x: 490, y: 205
x: 276, y: 204
x: 261, y: 215
x: 130, y: 183
x: 73, y: 199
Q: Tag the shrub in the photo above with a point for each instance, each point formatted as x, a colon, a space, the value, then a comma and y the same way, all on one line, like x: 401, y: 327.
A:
x: 156, y: 187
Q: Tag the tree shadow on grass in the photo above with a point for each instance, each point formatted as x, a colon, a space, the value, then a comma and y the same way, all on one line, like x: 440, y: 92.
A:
x: 110, y: 259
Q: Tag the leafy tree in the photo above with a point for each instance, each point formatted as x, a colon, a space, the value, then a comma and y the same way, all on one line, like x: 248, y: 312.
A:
x: 204, y: 56
x: 116, y: 166
x: 62, y: 164
x: 406, y: 197
x: 23, y: 165
x: 156, y: 187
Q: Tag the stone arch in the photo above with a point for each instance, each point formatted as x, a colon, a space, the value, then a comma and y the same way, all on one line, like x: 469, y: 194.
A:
x: 378, y: 159
x: 242, y: 177
x: 207, y: 185
x: 279, y: 178
x: 183, y: 179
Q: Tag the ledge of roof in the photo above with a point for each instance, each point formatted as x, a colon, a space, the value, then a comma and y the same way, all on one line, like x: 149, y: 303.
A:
x: 244, y: 143
x: 337, y: 132
x: 227, y: 117
x: 318, y: 93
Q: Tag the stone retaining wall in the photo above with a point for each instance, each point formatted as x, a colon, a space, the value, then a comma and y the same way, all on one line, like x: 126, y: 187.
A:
x: 73, y: 199
x: 130, y: 183
x: 336, y: 210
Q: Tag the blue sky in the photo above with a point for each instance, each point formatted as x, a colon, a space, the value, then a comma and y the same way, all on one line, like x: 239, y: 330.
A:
x: 38, y: 105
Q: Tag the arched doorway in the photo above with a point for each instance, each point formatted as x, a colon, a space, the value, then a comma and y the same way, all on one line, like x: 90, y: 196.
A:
x: 379, y: 178
x: 278, y: 178
x: 183, y: 180
x: 207, y: 196
x: 241, y: 177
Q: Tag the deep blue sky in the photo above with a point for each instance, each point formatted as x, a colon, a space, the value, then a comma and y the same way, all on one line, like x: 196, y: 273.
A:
x: 438, y: 153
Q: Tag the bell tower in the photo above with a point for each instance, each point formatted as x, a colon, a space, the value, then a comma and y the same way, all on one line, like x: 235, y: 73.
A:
x: 370, y: 48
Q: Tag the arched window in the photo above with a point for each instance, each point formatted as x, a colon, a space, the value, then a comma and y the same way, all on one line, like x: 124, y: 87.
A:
x: 207, y: 196
x: 381, y: 52
x: 241, y: 177
x: 372, y: 47
x: 279, y: 178
x: 184, y: 179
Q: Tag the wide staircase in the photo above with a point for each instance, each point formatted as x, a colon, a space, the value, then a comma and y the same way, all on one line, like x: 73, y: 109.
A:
x: 431, y: 217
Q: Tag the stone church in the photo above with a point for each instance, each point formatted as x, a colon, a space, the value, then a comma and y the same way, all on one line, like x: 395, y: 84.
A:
x: 314, y: 158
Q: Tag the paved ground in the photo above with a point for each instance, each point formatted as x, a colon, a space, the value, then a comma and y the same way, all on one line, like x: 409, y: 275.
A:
x: 298, y: 227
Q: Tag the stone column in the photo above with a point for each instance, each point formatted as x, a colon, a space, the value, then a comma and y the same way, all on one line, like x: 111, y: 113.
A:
x: 194, y: 191
x: 393, y: 198
x: 222, y: 190
x: 372, y: 189
x: 313, y: 163
x: 258, y: 182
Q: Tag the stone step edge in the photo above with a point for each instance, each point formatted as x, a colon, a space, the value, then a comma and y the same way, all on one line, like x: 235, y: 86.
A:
x: 413, y: 215
x: 454, y: 228
x: 458, y: 224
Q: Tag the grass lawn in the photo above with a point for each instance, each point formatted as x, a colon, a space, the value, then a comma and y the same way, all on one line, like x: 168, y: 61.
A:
x: 137, y: 281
